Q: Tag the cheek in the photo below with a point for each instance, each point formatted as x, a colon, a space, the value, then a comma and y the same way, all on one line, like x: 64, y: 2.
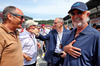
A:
x: 72, y: 17
x: 83, y: 17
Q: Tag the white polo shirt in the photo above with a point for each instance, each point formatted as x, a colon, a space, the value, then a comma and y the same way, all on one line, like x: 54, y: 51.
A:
x: 29, y: 46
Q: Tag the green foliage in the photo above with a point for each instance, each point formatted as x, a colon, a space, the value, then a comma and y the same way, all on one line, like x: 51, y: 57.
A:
x: 48, y: 22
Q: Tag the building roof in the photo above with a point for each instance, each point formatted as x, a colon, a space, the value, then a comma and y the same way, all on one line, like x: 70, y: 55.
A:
x: 93, y: 3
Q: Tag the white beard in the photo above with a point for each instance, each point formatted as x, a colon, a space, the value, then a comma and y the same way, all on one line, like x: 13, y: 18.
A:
x: 78, y: 22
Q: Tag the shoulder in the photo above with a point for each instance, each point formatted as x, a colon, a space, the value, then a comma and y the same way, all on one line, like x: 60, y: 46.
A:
x: 89, y: 30
x: 66, y: 31
x: 94, y: 31
x: 53, y: 31
x: 23, y: 35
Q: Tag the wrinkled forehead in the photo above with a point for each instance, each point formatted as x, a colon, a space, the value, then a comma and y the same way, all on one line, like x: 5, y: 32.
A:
x: 56, y: 20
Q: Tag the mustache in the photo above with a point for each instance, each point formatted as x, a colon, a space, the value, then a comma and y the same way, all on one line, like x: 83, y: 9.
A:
x: 77, y: 19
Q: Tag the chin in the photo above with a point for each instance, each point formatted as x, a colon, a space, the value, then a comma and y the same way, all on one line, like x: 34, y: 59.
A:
x: 19, y: 27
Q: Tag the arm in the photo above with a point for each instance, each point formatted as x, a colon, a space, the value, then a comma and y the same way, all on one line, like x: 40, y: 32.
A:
x: 96, y: 56
x: 39, y: 36
x: 72, y: 50
x: 2, y: 45
x: 43, y: 38
x: 24, y: 41
x: 1, y: 50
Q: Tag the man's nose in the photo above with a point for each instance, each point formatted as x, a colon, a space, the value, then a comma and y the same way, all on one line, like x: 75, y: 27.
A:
x: 76, y: 15
x: 23, y: 20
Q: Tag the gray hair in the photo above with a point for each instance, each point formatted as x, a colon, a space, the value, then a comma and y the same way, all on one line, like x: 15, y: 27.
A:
x: 60, y: 20
x: 88, y: 17
x: 7, y: 10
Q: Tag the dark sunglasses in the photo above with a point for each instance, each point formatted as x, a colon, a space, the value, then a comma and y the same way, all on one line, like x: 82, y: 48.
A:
x: 22, y: 17
x: 78, y: 13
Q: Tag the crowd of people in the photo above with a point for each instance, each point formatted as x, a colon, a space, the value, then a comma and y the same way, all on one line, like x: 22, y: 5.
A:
x: 63, y: 46
x: 96, y: 26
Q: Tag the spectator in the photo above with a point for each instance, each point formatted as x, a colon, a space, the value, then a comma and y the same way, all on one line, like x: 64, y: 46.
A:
x: 29, y: 44
x: 44, y: 31
x: 57, y: 39
x: 69, y: 27
x: 66, y: 27
x: 94, y: 25
x: 10, y: 46
x: 40, y: 51
x: 98, y: 27
x: 84, y: 42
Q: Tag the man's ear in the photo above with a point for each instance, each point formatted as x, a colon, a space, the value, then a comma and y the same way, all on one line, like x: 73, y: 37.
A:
x: 88, y: 13
x: 9, y: 16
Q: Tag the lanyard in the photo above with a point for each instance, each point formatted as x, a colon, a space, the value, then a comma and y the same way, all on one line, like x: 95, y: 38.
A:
x: 60, y: 45
x: 60, y: 39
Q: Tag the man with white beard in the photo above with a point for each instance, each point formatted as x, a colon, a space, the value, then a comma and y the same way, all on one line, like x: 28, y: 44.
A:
x: 83, y: 46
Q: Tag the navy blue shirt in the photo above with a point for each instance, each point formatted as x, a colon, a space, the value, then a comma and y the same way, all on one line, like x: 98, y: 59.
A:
x: 89, y: 42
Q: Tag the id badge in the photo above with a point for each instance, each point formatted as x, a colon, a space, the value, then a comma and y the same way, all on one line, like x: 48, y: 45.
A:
x: 60, y: 46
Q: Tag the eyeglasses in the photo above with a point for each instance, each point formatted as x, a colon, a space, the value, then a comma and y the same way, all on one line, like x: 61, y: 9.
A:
x: 22, y: 17
x: 56, y: 22
x: 78, y: 13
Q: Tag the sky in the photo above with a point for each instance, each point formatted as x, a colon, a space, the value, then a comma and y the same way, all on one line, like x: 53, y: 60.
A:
x: 41, y: 9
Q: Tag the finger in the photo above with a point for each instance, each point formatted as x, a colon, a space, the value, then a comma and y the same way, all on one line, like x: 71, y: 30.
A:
x: 63, y: 55
x: 73, y: 56
x: 77, y: 55
x: 62, y: 52
x: 73, y: 42
x: 29, y: 57
x: 75, y: 48
x: 76, y: 52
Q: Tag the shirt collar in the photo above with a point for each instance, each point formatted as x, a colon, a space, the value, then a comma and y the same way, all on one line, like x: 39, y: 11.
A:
x: 7, y: 30
x: 87, y: 30
x: 27, y: 32
x: 61, y: 32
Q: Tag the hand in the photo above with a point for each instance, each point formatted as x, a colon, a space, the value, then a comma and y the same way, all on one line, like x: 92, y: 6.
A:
x: 28, y: 58
x: 73, y: 51
x: 39, y: 45
x: 36, y: 32
x: 63, y: 55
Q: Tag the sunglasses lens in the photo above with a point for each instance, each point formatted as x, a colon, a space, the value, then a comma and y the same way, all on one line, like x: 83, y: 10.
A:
x: 22, y: 17
x: 80, y: 12
x: 72, y: 14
